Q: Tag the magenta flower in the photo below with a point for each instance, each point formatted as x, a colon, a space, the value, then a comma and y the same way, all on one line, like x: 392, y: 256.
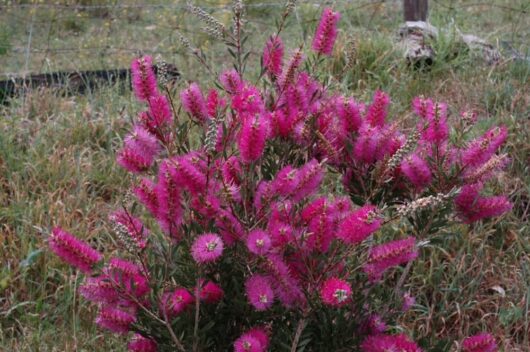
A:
x: 309, y: 177
x: 423, y: 107
x: 436, y: 129
x: 142, y: 344
x: 378, y: 110
x: 99, y: 289
x: 335, y: 292
x: 258, y: 242
x: 186, y: 171
x: 143, y: 78
x: 174, y: 303
x: 359, y: 225
x: 211, y: 293
x: 115, y: 320
x: 408, y: 301
x: 349, y: 114
x: 290, y: 72
x: 482, y: 342
x: 169, y: 210
x: 390, y: 254
x: 416, y: 170
x: 128, y: 276
x: 231, y: 81
x: 374, y: 325
x: 207, y: 248
x: 259, y: 292
x: 73, y: 251
x: 134, y: 227
x: 133, y: 161
x: 254, y: 340
x: 285, y: 287
x: 286, y: 181
x: 193, y: 102
x: 252, y: 139
x: 472, y: 206
x: 385, y: 343
x: 326, y: 32
x: 146, y: 194
x: 248, y: 102
x: 481, y: 150
x: 273, y: 56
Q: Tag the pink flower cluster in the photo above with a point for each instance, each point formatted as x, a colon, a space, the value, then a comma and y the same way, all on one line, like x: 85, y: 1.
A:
x: 73, y: 251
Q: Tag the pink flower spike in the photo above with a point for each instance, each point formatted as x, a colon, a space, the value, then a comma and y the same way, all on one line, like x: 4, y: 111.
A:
x: 259, y: 292
x: 378, y: 110
x: 99, y: 289
x: 472, y: 207
x: 290, y: 72
x: 73, y: 251
x: 349, y: 113
x: 145, y: 192
x: 385, y: 343
x: 211, y: 293
x: 335, y: 292
x: 309, y: 178
x: 258, y: 242
x: 250, y: 342
x: 326, y: 32
x: 115, y: 320
x: 390, y: 254
x: 482, y: 342
x: 142, y: 344
x: 131, y: 160
x: 194, y: 103
x: 360, y: 224
x: 231, y: 82
x: 416, y: 170
x: 261, y: 335
x: 143, y: 78
x: 207, y: 248
x: 423, y: 107
x: 174, y: 303
x: 273, y: 56
x: 252, y: 139
x: 480, y: 150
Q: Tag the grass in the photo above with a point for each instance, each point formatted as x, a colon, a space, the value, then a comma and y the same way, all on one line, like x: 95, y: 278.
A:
x: 57, y: 158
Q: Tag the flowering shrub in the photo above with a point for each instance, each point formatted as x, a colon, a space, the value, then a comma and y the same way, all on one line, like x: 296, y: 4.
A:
x: 269, y: 209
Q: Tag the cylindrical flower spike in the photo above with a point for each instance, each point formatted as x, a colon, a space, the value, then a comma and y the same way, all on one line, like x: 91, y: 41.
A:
x: 360, y: 224
x: 273, y: 56
x: 194, y: 103
x: 143, y: 78
x: 390, y: 254
x: 482, y: 342
x: 326, y: 32
x: 73, y: 251
x: 385, y: 343
x: 252, y: 139
x: 142, y: 344
x: 115, y: 320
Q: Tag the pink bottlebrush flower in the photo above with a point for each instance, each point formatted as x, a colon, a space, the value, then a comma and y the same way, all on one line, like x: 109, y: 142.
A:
x: 378, y: 110
x: 143, y: 142
x: 115, y: 320
x: 211, y: 293
x: 259, y: 292
x: 231, y: 81
x: 213, y: 103
x: 309, y: 176
x: 207, y: 206
x: 133, y: 226
x: 423, y: 107
x: 131, y: 160
x: 143, y: 78
x: 281, y: 233
x: 146, y: 194
x: 318, y: 216
x: 349, y: 114
x: 174, y: 303
x: 73, y: 251
x: 128, y: 276
x: 374, y: 325
x: 273, y: 56
x: 360, y: 224
x: 416, y: 170
x: 254, y: 340
x: 193, y: 102
x: 258, y: 242
x: 285, y: 181
x: 482, y: 342
x: 408, y: 301
x: 207, y: 248
x: 99, y: 289
x: 326, y: 32
x: 248, y: 102
x: 142, y: 344
x: 341, y: 208
x: 290, y: 72
x: 229, y: 227
x: 252, y: 139
x: 481, y: 149
x: 486, y: 171
x: 158, y: 119
x: 231, y: 171
x: 434, y: 128
x: 365, y: 147
x: 335, y: 292
x: 283, y: 122
x: 390, y: 254
x: 186, y: 171
x: 169, y: 211
x: 285, y: 287
x: 385, y: 343
x: 472, y: 207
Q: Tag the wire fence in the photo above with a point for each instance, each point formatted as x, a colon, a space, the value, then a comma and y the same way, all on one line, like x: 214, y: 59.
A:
x: 98, y: 34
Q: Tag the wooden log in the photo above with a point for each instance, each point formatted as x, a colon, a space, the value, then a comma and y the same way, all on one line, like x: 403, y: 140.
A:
x: 73, y: 82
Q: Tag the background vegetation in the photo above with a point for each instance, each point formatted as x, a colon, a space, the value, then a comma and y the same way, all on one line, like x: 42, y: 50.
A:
x: 57, y: 152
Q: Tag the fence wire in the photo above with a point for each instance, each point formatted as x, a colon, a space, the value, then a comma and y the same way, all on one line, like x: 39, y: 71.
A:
x: 93, y: 34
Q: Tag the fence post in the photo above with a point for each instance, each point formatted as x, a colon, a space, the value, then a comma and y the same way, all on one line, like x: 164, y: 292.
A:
x: 415, y: 10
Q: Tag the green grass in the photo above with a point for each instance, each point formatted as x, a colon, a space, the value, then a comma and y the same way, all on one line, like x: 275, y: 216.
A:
x: 57, y: 159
